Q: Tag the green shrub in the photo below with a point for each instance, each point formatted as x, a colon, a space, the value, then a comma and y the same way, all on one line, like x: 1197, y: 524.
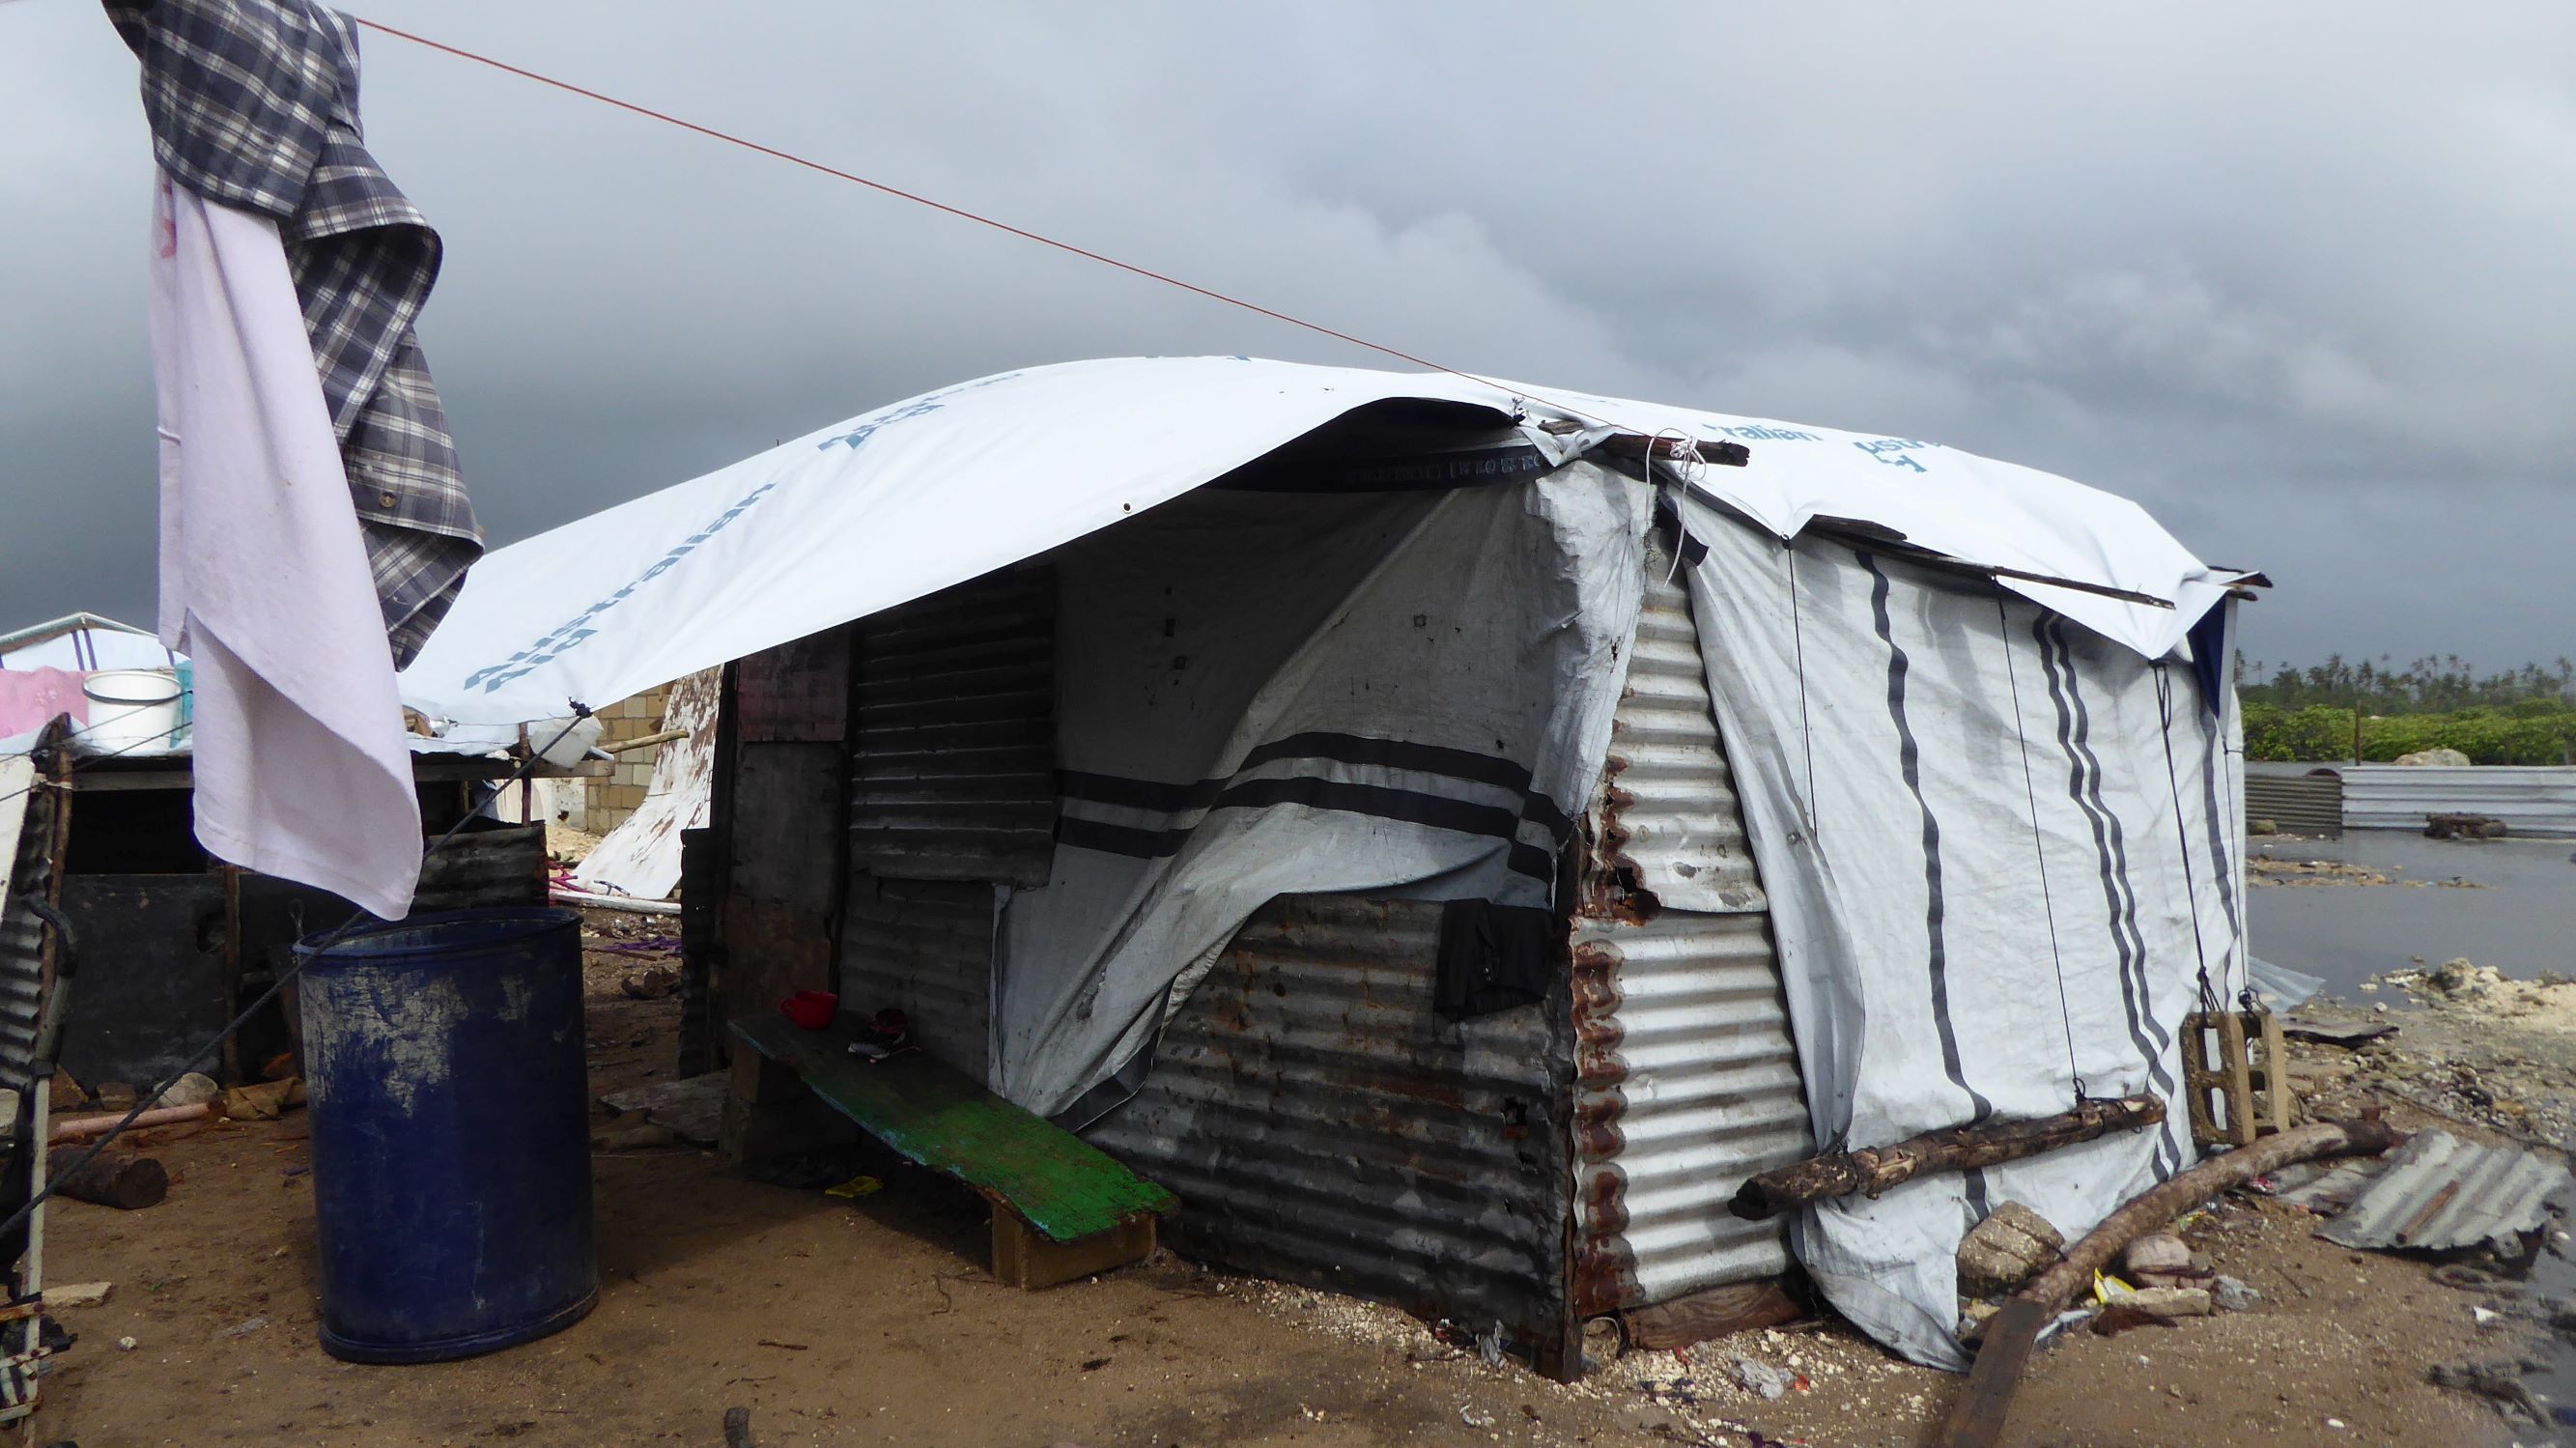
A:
x: 2514, y: 735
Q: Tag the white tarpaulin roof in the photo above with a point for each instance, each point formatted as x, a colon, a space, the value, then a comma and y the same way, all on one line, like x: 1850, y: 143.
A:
x: 914, y: 497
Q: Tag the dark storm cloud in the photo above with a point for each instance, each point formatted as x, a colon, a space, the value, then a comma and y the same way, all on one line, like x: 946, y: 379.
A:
x: 2295, y: 279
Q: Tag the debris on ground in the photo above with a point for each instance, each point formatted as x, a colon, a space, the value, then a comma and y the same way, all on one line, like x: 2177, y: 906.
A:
x: 78, y: 1294
x: 1761, y: 1379
x: 2011, y: 1246
x: 2438, y: 1193
x: 2464, y: 827
x: 650, y: 985
x: 193, y: 1089
x: 2164, y: 1303
x: 2271, y: 870
x: 265, y: 1101
x: 2499, y: 1380
x: 692, y: 1106
x: 2162, y: 1259
x: 634, y: 1131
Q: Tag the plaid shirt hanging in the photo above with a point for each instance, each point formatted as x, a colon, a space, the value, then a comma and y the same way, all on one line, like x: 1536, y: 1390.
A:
x: 254, y: 103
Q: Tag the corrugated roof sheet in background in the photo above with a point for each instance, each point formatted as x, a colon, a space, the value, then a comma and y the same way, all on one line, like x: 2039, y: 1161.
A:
x: 2531, y: 800
x: 2437, y: 1192
x: 2301, y: 804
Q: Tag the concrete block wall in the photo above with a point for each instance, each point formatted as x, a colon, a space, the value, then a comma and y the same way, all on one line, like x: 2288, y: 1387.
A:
x: 608, y: 801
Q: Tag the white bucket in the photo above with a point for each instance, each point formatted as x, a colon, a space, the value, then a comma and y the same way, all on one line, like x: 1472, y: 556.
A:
x: 130, y: 708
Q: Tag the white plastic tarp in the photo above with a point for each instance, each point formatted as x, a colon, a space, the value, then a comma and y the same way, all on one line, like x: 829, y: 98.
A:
x: 641, y: 857
x: 1405, y: 694
x: 1999, y: 852
x: 912, y: 498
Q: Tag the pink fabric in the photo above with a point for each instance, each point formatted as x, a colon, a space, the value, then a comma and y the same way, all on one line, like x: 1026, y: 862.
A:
x: 31, y: 698
x: 301, y: 769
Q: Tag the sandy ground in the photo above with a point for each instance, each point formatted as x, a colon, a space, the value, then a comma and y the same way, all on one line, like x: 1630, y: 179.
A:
x: 872, y: 1321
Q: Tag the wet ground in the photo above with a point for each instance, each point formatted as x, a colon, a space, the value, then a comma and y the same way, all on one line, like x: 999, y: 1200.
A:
x: 2500, y: 1059
x: 871, y: 1320
x: 2514, y: 907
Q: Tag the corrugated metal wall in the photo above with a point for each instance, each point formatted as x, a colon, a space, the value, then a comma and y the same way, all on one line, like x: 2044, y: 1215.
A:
x: 2302, y: 804
x: 1323, y: 1125
x: 2531, y: 800
x: 1687, y: 1079
x: 952, y: 739
x: 503, y: 865
x: 924, y: 947
x: 1673, y: 825
x: 27, y: 856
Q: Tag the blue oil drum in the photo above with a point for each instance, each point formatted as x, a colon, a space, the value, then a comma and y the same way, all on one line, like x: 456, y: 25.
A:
x: 451, y: 1133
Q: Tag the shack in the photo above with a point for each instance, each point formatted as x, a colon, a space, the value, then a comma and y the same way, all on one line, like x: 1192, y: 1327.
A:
x: 1449, y: 833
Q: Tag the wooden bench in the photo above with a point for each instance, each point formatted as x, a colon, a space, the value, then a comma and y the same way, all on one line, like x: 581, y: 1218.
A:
x: 1062, y: 1208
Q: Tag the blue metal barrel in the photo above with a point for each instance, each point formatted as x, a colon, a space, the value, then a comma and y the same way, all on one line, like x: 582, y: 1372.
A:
x: 451, y: 1133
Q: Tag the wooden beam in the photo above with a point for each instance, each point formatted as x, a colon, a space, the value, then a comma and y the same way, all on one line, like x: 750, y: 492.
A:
x: 1961, y: 1148
x: 1027, y: 1258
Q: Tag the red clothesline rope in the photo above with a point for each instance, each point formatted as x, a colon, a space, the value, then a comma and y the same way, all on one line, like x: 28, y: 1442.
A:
x: 957, y: 211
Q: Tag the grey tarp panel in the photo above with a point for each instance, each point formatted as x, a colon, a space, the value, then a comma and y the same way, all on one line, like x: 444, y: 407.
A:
x: 1406, y: 694
x: 1999, y: 851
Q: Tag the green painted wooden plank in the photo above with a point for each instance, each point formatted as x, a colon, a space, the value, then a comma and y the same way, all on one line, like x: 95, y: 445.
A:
x: 935, y: 1115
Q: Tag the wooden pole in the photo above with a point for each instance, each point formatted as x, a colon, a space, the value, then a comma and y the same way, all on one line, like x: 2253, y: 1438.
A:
x: 1873, y: 1171
x: 82, y: 1128
x: 1977, y: 1419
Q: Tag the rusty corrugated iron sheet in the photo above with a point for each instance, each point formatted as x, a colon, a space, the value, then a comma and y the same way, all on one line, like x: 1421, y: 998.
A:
x: 1670, y: 821
x: 2438, y: 1192
x: 1323, y: 1124
x: 1686, y: 1078
x: 923, y: 947
x: 952, y: 740
x: 1686, y: 1084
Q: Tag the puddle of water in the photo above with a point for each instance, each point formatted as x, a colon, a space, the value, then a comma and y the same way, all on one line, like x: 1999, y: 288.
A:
x: 2522, y: 923
x: 2553, y: 1279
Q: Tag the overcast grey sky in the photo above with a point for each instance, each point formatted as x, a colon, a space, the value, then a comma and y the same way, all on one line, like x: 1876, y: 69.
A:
x: 2300, y: 278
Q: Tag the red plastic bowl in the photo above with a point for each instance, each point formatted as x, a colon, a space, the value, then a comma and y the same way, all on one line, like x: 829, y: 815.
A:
x: 812, y: 1009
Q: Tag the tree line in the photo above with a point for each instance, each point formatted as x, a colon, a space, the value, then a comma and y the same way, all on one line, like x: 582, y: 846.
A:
x: 2518, y: 716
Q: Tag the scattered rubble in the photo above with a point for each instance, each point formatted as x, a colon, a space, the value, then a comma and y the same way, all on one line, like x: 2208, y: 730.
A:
x: 2463, y: 827
x: 2268, y: 870
x: 78, y: 1294
x: 194, y: 1088
x: 2497, y: 1379
x: 1761, y: 1379
x: 2011, y: 1246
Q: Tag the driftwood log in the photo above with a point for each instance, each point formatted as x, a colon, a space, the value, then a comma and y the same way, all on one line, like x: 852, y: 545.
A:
x: 1839, y: 1174
x: 1977, y: 1419
x: 123, y: 1182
